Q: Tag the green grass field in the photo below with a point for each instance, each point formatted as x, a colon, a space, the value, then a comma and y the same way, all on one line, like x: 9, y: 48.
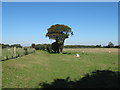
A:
x: 30, y: 70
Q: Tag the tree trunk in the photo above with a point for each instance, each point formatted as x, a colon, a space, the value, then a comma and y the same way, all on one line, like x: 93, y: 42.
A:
x: 60, y: 46
x: 57, y: 45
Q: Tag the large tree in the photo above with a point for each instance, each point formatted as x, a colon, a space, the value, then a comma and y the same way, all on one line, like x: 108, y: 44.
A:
x: 58, y: 32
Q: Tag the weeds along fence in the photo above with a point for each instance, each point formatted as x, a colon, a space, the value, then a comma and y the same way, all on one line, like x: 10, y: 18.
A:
x: 11, y: 53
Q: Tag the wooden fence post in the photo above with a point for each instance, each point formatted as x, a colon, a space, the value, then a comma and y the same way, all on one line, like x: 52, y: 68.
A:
x: 14, y: 51
x: 7, y: 53
x: 20, y: 52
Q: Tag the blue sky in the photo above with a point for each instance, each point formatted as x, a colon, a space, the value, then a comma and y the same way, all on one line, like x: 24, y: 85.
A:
x: 92, y: 22
x: 60, y: 0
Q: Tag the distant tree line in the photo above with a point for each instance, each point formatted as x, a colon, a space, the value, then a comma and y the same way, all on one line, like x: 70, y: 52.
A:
x: 40, y: 46
x: 7, y: 45
x: 82, y: 46
x: 50, y: 47
x: 90, y: 46
x: 46, y: 47
x: 110, y: 45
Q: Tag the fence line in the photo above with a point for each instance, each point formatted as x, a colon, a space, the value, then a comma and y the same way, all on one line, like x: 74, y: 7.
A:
x: 11, y: 53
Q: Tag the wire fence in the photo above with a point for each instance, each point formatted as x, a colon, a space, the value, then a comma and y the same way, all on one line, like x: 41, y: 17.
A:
x: 11, y: 53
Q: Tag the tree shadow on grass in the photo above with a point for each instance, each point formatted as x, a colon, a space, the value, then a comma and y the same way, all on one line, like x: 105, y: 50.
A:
x: 68, y: 53
x: 97, y: 79
x: 61, y: 53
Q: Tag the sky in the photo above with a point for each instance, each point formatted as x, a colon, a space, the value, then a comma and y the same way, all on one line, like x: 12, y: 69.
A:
x: 60, y: 0
x: 93, y: 23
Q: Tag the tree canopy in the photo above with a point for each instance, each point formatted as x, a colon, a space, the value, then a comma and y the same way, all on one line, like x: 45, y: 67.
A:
x: 59, y: 32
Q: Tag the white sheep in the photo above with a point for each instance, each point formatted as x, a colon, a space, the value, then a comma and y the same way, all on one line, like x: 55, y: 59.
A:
x: 77, y: 55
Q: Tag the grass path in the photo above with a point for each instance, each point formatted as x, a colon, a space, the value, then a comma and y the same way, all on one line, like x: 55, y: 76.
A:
x: 30, y: 70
